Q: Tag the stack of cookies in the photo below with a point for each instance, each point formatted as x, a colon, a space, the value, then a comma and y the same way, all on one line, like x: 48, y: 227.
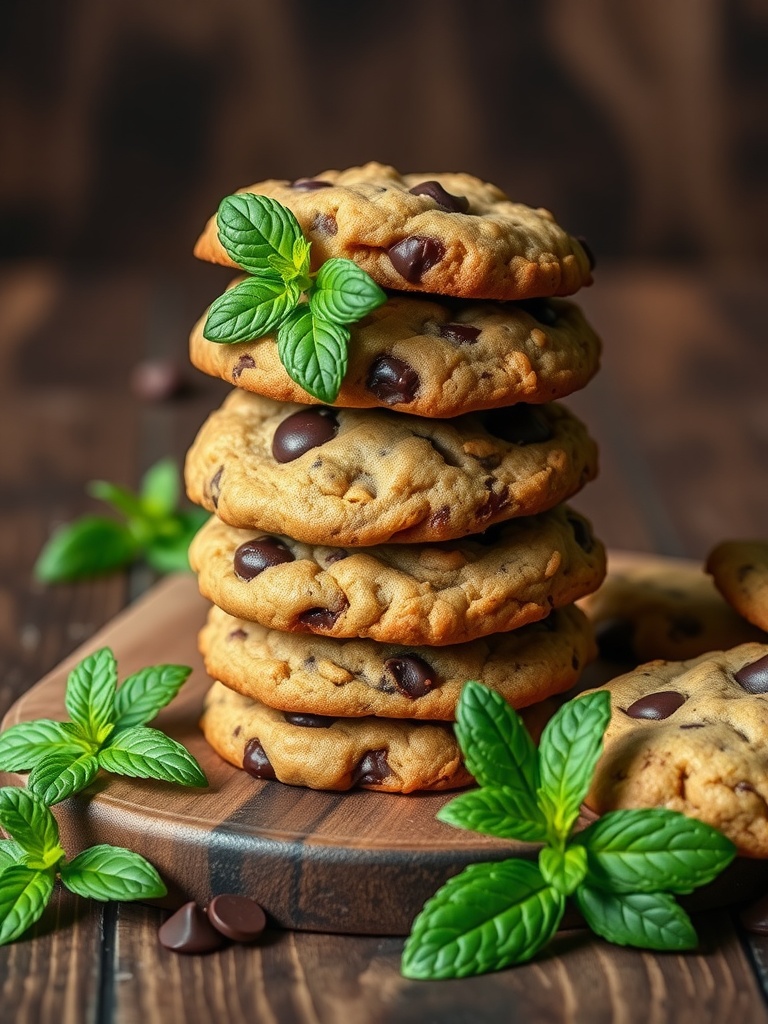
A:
x: 365, y: 560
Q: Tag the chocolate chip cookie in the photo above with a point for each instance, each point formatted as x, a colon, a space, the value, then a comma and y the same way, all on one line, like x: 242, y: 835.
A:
x: 402, y: 593
x: 358, y: 478
x: 449, y: 234
x: 328, y: 753
x: 432, y: 358
x: 353, y: 678
x: 692, y: 736
x: 740, y: 572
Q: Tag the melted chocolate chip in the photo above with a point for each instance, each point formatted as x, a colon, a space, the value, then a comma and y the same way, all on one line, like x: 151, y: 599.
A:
x: 254, y: 556
x: 302, y: 431
x: 540, y: 310
x: 215, y: 486
x: 754, y: 678
x: 392, y: 380
x: 245, y: 362
x: 337, y: 555
x: 493, y: 504
x: 320, y: 618
x: 308, y: 721
x: 582, y: 533
x: 238, y: 917
x: 310, y: 184
x: 518, y: 424
x: 189, y: 931
x: 324, y: 224
x: 433, y: 189
x: 256, y: 762
x: 413, y: 256
x: 371, y: 769
x: 413, y: 676
x: 656, y: 706
x: 586, y: 247
x: 462, y: 334
x: 440, y: 517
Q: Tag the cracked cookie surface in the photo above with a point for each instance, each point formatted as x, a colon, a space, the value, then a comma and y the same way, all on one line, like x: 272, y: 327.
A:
x: 740, y: 572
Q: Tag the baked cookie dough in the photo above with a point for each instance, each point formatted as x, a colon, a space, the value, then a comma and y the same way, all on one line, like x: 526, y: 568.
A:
x: 740, y: 572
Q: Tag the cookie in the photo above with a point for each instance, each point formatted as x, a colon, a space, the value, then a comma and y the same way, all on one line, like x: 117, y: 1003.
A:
x: 401, y: 593
x: 449, y: 234
x: 348, y: 477
x: 432, y: 358
x: 662, y: 609
x: 354, y: 678
x: 323, y: 753
x: 692, y: 736
x: 740, y: 572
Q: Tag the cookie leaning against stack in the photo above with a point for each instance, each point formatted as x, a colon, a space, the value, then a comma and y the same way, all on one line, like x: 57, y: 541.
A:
x: 374, y: 548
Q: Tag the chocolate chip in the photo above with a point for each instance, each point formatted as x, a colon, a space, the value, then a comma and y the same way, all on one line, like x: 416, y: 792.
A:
x: 215, y: 486
x: 308, y: 721
x: 237, y: 634
x: 433, y: 189
x: 310, y: 184
x: 615, y: 639
x: 693, y: 725
x: 245, y: 362
x: 321, y: 618
x: 462, y: 334
x: 156, y: 380
x: 324, y: 224
x: 189, y: 931
x: 540, y: 310
x: 256, y: 762
x: 582, y: 533
x: 337, y: 555
x: 392, y: 380
x: 413, y: 256
x: 518, y: 424
x: 754, y: 677
x: 413, y: 676
x: 445, y: 453
x: 440, y: 517
x: 254, y: 556
x: 585, y: 246
x: 656, y: 706
x: 237, y: 917
x: 755, y: 917
x: 371, y: 769
x: 302, y: 431
x: 493, y: 504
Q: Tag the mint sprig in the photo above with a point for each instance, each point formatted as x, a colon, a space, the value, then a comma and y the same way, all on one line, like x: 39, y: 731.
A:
x: 309, y: 312
x: 621, y: 871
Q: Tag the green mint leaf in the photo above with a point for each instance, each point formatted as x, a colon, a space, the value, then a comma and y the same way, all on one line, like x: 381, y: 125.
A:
x: 343, y: 292
x: 10, y: 853
x: 314, y: 353
x: 24, y: 895
x: 650, y: 920
x: 497, y: 748
x: 486, y: 918
x: 23, y: 745
x: 112, y: 873
x: 564, y: 869
x: 90, y: 546
x: 143, y: 694
x: 144, y: 753
x: 252, y: 228
x: 570, y: 746
x: 251, y: 309
x: 60, y: 775
x: 91, y: 693
x: 28, y: 821
x: 497, y: 811
x: 650, y: 850
x: 170, y: 553
x: 300, y: 255
x: 121, y: 499
x: 160, y: 489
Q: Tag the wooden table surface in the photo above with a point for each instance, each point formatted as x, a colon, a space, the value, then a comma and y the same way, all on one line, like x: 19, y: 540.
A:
x: 680, y: 413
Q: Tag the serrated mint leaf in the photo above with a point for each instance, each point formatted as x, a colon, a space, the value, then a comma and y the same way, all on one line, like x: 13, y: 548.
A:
x: 24, y: 895
x: 649, y: 920
x: 112, y: 873
x: 252, y: 228
x: 486, y: 918
x: 497, y: 748
x: 59, y: 775
x: 251, y: 309
x: 564, y: 869
x: 570, y: 746
x: 343, y: 292
x: 23, y: 745
x: 144, y: 753
x: 145, y: 693
x: 314, y: 353
x: 160, y: 489
x: 10, y: 853
x: 28, y: 822
x: 121, y: 499
x: 650, y: 850
x: 497, y: 811
x: 91, y: 692
x: 88, y: 547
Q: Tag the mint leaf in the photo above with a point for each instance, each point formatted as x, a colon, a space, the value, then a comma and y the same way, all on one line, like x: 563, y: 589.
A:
x: 313, y: 352
x: 10, y: 853
x: 651, y: 850
x: 497, y: 811
x: 59, y: 775
x: 112, y: 873
x: 343, y: 292
x: 28, y: 821
x: 91, y: 693
x: 570, y: 746
x: 89, y: 547
x: 121, y: 499
x: 564, y: 869
x: 486, y: 918
x: 23, y: 745
x: 251, y: 309
x: 24, y: 895
x: 497, y: 748
x: 160, y: 489
x: 143, y: 694
x: 144, y: 753
x: 650, y: 920
x: 252, y: 228
x: 170, y: 553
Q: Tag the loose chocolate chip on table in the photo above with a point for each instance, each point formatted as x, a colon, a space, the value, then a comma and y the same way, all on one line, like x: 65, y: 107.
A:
x: 309, y: 721
x: 256, y: 762
x: 310, y: 184
x: 754, y: 678
x: 189, y: 931
x: 302, y: 431
x: 392, y: 380
x: 615, y: 640
x: 156, y: 380
x: 320, y: 618
x: 413, y: 676
x: 585, y: 246
x: 463, y: 334
x: 245, y: 362
x: 518, y: 424
x: 371, y: 769
x: 540, y: 310
x: 413, y: 256
x: 656, y: 706
x: 238, y: 917
x: 433, y: 189
x: 254, y: 556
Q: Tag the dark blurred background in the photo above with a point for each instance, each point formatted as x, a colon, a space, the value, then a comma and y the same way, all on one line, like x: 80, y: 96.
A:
x: 641, y: 123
